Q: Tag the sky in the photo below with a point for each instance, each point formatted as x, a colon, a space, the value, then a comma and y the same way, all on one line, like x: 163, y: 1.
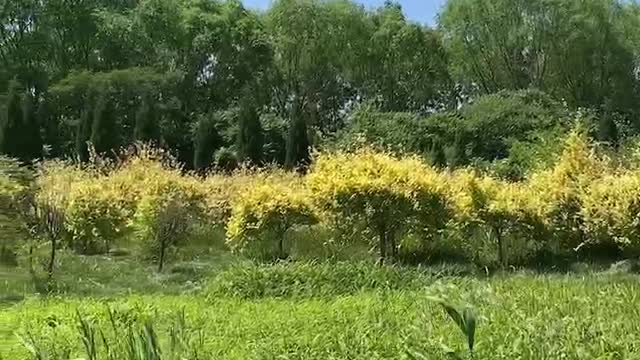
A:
x: 423, y: 11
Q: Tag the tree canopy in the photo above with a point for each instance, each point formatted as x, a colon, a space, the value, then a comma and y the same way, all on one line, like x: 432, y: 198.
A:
x: 112, y: 72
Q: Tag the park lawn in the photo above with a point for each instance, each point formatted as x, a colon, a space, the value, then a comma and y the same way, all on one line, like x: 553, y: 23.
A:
x: 520, y: 316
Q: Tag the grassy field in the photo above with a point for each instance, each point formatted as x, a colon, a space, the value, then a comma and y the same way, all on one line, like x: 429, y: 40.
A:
x: 214, y: 306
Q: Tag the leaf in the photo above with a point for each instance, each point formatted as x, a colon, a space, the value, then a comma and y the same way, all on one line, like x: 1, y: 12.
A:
x: 455, y: 315
x: 469, y: 318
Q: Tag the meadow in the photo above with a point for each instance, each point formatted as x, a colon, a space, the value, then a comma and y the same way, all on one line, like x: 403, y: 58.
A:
x: 343, y: 310
x: 367, y: 255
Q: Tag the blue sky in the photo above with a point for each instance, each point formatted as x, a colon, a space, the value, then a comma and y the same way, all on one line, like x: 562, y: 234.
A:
x: 423, y: 11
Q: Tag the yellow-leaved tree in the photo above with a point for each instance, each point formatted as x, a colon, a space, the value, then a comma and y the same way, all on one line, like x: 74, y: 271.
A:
x: 386, y: 194
x: 560, y: 190
x: 262, y: 215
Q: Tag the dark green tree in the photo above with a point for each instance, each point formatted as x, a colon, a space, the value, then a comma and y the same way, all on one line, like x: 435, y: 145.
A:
x: 206, y: 140
x: 297, y: 155
x: 19, y: 129
x: 52, y: 137
x: 457, y: 154
x: 607, y: 130
x: 83, y: 134
x: 250, y: 133
x: 30, y: 134
x: 437, y: 154
x: 104, y: 128
x: 146, y: 128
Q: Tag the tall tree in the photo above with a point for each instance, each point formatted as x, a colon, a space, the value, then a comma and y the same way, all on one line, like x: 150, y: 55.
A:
x: 146, y: 127
x: 297, y: 155
x: 19, y: 129
x: 206, y: 140
x: 104, y: 128
x: 576, y: 50
x: 250, y: 133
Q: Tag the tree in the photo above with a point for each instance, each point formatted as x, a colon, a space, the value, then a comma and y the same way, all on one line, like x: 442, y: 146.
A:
x: 575, y: 50
x: 250, y: 134
x: 437, y: 155
x: 607, y: 130
x: 146, y: 127
x: 297, y: 141
x: 19, y: 128
x: 206, y: 140
x: 83, y: 134
x: 104, y: 129
x: 31, y: 137
x: 52, y: 128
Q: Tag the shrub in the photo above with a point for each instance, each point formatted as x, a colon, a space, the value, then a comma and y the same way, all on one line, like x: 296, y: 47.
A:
x: 166, y: 215
x: 97, y: 214
x: 264, y: 213
x: 504, y: 209
x: 14, y: 193
x: 560, y: 189
x: 386, y: 194
x: 611, y: 211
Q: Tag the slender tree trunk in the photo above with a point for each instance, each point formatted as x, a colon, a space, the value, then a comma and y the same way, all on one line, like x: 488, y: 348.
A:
x: 162, y: 251
x: 394, y: 247
x: 382, y: 234
x: 498, y: 231
x: 281, y: 247
x: 52, y: 258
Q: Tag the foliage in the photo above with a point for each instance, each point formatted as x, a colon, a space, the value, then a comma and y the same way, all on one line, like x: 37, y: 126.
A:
x: 97, y: 215
x: 265, y: 212
x: 376, y: 189
x: 250, y: 134
x: 166, y: 215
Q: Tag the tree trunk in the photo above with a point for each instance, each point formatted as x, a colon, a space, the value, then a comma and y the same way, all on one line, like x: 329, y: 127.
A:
x: 498, y: 231
x: 162, y: 251
x: 382, y: 234
x: 281, y: 247
x: 52, y: 258
x: 394, y: 247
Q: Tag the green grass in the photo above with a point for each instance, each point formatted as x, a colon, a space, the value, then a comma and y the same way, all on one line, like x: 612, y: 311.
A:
x: 522, y: 316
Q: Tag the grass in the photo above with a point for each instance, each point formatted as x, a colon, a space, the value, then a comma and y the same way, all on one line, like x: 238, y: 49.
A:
x: 523, y: 316
x: 209, y: 304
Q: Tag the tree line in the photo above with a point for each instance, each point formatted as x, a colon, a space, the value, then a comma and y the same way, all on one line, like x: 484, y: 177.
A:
x: 220, y: 84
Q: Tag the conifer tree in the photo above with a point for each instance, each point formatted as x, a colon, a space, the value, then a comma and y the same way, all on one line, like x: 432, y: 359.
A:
x: 297, y: 155
x: 250, y: 133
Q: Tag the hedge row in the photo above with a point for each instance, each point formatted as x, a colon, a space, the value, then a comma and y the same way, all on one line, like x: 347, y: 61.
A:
x: 401, y: 203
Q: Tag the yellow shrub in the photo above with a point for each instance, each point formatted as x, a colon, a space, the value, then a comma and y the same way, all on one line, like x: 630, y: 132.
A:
x: 265, y: 212
x: 96, y: 215
x: 560, y: 190
x: 166, y: 215
x: 384, y: 192
x: 223, y: 190
x: 611, y: 210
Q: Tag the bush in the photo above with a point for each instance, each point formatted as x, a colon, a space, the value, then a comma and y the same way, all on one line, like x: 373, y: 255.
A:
x: 14, y: 194
x: 390, y: 196
x: 304, y: 280
x: 611, y: 211
x: 560, y: 190
x: 97, y: 215
x: 264, y: 213
x: 167, y: 215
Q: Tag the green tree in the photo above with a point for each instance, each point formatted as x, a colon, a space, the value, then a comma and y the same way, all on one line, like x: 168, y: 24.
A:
x: 250, y: 133
x: 206, y: 140
x: 104, y: 129
x: 146, y: 127
x: 297, y: 155
x: 577, y: 50
x: 19, y: 129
